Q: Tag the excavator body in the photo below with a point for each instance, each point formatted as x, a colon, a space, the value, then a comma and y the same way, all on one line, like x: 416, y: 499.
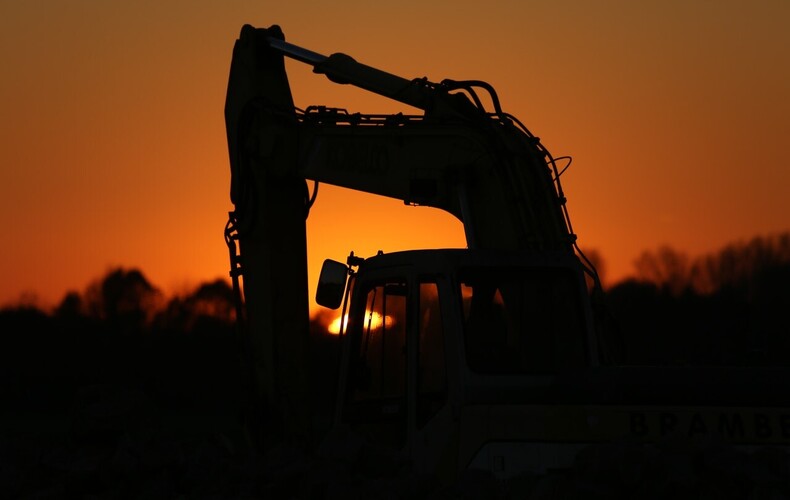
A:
x: 499, y: 356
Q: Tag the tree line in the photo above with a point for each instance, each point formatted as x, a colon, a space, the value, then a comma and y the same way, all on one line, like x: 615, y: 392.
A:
x: 120, y: 391
x: 729, y: 307
x: 726, y: 307
x: 122, y: 332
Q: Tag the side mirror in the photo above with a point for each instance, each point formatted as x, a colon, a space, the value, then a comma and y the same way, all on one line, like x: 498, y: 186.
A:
x: 331, y: 284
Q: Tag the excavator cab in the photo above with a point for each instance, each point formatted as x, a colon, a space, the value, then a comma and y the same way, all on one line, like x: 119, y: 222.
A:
x: 431, y: 335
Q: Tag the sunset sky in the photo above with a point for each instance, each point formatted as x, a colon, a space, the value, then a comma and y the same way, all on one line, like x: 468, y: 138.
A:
x: 113, y: 149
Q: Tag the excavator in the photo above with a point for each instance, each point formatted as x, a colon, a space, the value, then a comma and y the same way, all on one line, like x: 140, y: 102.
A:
x: 499, y: 356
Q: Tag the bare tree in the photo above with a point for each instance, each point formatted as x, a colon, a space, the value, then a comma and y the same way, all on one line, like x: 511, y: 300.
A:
x: 666, y: 268
x: 210, y: 305
x: 124, y: 299
x: 737, y: 264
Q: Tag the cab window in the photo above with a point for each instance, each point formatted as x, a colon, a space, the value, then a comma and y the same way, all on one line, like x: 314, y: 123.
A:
x: 376, y: 396
x: 522, y: 320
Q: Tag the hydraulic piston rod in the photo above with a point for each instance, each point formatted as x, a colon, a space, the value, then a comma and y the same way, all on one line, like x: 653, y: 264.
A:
x: 344, y: 69
x: 296, y: 52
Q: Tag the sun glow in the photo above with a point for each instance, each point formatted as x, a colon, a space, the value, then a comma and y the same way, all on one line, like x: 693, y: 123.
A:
x: 373, y: 321
x: 334, y: 326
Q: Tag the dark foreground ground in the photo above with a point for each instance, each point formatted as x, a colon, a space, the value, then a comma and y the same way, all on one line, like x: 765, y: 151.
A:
x: 84, y: 414
x: 118, y: 443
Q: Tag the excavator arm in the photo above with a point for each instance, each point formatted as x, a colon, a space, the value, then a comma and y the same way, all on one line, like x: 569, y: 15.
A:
x: 483, y: 167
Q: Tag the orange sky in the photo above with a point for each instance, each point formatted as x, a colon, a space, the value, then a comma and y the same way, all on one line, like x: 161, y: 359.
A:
x: 112, y: 138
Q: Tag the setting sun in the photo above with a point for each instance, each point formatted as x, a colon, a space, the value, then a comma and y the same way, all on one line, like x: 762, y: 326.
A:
x: 373, y: 321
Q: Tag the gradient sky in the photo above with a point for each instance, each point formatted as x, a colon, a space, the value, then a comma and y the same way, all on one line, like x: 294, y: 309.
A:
x: 113, y: 148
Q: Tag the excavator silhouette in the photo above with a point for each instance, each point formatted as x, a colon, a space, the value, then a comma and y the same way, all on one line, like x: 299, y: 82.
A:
x: 498, y: 356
